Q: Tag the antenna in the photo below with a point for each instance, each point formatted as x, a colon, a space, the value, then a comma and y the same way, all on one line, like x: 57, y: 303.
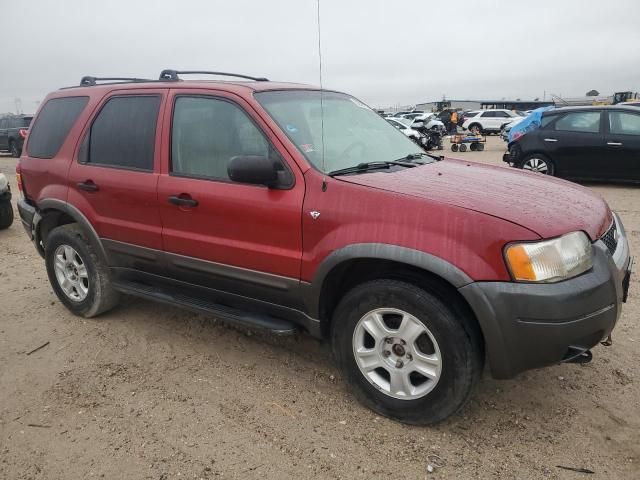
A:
x: 324, y: 185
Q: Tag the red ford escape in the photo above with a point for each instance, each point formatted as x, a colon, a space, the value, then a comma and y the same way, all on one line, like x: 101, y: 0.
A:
x: 282, y: 207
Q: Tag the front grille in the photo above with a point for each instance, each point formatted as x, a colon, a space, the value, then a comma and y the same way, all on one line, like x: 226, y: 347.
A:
x: 610, y: 238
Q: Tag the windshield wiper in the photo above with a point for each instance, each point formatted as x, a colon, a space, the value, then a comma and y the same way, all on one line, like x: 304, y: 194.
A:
x: 419, y: 155
x: 368, y: 166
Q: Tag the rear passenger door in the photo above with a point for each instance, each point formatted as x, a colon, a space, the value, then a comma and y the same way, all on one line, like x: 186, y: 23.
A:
x: 237, y: 238
x: 4, y: 137
x: 575, y: 143
x: 114, y: 177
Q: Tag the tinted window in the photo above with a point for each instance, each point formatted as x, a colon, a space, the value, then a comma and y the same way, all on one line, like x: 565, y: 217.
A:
x: 501, y: 115
x: 489, y: 115
x: 622, y: 123
x: 207, y: 132
x: 25, y: 122
x: 123, y: 133
x: 470, y: 114
x: 586, y: 122
x: 53, y: 124
x: 3, y: 123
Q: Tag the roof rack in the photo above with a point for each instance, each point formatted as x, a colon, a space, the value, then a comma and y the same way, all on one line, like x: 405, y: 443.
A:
x: 88, y: 81
x: 172, y: 75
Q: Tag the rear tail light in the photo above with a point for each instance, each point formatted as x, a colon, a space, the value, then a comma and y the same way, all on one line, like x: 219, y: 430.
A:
x: 19, y: 179
x: 23, y: 132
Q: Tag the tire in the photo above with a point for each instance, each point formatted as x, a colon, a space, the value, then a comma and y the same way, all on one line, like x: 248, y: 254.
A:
x: 454, y: 147
x: 14, y: 150
x: 463, y: 148
x: 6, y: 215
x: 479, y: 147
x: 473, y: 147
x: 538, y: 163
x: 68, y: 250
x: 438, y: 332
x: 475, y: 128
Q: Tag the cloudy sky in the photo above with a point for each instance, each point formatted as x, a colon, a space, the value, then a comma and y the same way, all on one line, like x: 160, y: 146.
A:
x: 384, y: 52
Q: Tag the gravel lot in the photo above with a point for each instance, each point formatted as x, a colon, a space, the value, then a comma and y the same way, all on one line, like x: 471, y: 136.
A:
x: 149, y: 391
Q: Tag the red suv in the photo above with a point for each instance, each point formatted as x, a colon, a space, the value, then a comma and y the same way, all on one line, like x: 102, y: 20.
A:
x: 284, y: 207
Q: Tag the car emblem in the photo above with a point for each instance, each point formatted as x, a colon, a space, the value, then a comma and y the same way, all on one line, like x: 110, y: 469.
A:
x: 314, y: 214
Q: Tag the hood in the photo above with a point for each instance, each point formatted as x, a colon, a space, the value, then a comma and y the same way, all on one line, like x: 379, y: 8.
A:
x: 547, y: 206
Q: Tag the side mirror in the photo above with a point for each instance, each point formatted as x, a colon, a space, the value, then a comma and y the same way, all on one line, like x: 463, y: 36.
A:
x: 254, y: 169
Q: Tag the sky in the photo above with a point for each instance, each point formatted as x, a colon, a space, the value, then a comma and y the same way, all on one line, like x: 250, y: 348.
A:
x: 384, y: 52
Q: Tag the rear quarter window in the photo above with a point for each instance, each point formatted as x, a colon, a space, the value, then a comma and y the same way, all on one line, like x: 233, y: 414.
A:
x: 53, y: 125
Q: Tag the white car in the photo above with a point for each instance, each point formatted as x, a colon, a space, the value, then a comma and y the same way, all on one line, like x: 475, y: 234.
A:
x: 427, y: 120
x: 409, y: 132
x: 488, y: 121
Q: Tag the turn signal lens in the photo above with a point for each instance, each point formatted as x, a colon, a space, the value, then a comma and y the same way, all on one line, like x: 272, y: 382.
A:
x: 550, y: 260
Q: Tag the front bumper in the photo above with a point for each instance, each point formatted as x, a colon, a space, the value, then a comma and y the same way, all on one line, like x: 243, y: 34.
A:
x: 533, y: 325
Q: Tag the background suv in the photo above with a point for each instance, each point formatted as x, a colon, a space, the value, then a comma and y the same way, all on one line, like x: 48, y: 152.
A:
x: 253, y: 201
x: 13, y: 130
x: 488, y: 121
x: 586, y: 143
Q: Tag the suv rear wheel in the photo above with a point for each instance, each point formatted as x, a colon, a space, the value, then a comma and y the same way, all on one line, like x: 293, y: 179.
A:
x: 78, y: 276
x: 475, y: 128
x: 405, y: 354
x: 13, y: 148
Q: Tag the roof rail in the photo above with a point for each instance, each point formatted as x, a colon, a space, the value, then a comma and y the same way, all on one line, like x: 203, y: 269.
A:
x: 172, y: 75
x: 88, y: 81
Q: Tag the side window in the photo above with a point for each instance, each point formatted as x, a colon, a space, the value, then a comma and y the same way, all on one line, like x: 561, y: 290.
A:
x: 501, y: 115
x: 546, y: 120
x: 489, y: 115
x: 53, y: 124
x: 207, y: 133
x: 123, y: 134
x: 623, y: 123
x: 585, y: 122
x: 3, y: 123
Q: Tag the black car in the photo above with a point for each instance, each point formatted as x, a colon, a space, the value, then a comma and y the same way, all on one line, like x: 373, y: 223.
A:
x: 586, y: 143
x: 13, y: 130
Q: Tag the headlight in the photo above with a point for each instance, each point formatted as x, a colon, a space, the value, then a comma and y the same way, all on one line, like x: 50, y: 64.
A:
x: 550, y: 260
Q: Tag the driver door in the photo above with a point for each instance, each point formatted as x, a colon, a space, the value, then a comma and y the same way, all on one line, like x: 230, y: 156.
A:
x: 229, y: 236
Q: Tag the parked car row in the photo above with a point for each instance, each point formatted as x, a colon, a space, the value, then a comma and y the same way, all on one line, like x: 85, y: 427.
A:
x: 13, y: 131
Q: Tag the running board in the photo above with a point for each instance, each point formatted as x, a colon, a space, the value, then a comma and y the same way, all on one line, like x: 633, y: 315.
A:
x: 251, y: 320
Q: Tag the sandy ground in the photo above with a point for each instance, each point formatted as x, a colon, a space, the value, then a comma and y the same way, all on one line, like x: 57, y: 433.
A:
x: 149, y: 391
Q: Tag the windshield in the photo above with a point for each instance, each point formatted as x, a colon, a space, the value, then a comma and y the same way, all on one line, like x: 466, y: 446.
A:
x: 353, y: 133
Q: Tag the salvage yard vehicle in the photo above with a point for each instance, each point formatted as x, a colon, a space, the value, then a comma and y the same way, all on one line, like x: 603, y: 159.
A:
x: 409, y: 132
x: 13, y: 130
x: 6, y: 210
x: 284, y: 207
x: 582, y: 143
x: 488, y: 121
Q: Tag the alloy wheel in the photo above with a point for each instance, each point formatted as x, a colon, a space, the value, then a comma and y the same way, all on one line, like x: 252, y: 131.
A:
x: 536, y: 164
x: 397, y: 353
x: 71, y: 273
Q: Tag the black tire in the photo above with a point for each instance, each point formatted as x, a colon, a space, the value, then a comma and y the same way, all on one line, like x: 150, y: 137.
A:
x: 479, y: 147
x: 457, y: 340
x: 463, y: 148
x: 475, y: 128
x: 100, y: 296
x: 14, y: 150
x: 6, y: 215
x: 528, y: 163
x: 473, y: 147
x: 454, y: 147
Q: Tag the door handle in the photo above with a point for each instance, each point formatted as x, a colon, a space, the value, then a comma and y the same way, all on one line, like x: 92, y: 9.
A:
x: 615, y: 144
x: 88, y: 186
x: 182, y: 201
x: 550, y: 139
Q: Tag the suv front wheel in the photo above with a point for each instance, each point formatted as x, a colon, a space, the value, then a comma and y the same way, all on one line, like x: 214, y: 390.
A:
x: 405, y: 354
x: 78, y: 276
